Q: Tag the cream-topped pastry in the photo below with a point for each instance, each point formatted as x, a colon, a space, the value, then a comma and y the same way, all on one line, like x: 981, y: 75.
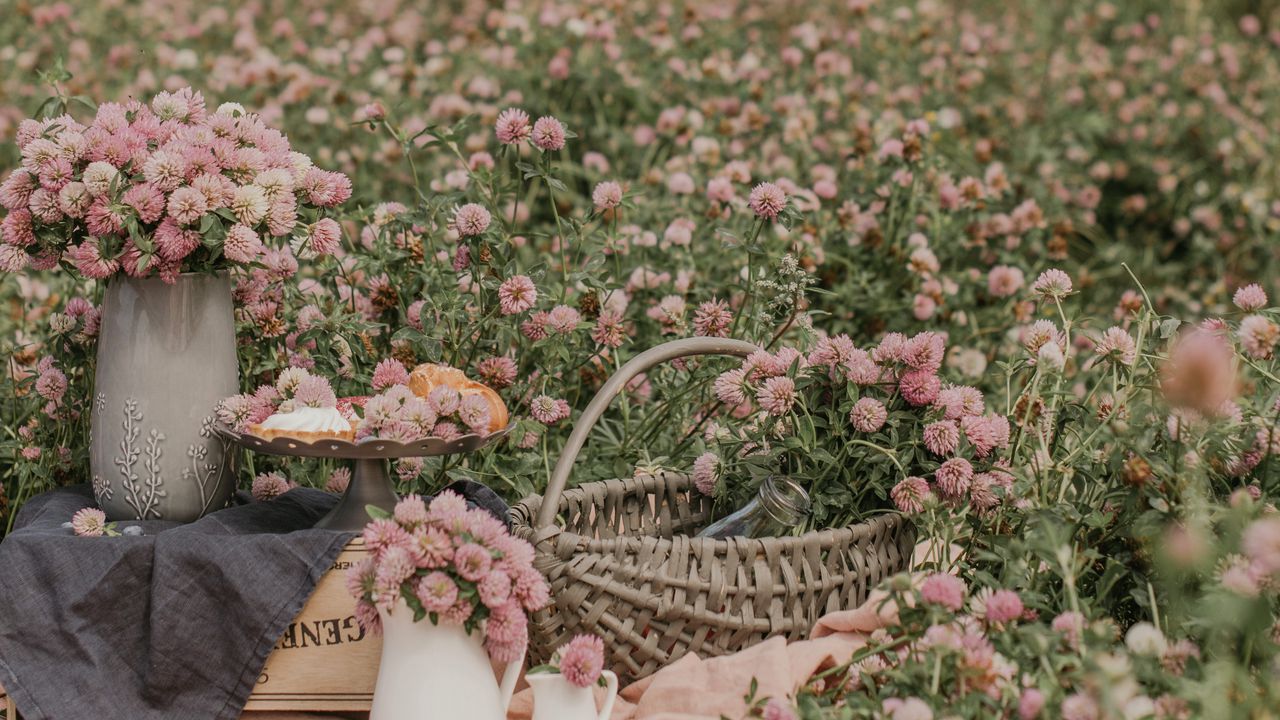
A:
x: 306, y: 423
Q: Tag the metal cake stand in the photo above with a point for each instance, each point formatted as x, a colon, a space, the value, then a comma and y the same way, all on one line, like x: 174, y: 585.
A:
x: 370, y: 482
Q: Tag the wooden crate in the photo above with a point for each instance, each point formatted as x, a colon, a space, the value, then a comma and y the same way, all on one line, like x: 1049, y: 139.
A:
x: 324, y: 661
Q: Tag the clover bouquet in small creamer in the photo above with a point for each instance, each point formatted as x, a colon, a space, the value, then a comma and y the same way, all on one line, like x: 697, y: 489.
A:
x: 450, y: 564
x: 163, y: 188
x: 580, y: 661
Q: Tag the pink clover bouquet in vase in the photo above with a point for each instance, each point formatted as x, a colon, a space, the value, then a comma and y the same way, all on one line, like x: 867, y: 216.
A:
x: 161, y: 199
x: 161, y: 188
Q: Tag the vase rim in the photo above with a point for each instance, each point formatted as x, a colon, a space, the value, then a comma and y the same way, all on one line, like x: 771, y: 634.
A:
x: 224, y: 272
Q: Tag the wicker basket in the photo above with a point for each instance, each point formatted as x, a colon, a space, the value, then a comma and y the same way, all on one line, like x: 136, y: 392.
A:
x: 622, y: 564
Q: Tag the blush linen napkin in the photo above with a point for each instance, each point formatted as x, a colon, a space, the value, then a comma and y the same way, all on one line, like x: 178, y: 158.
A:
x: 694, y: 688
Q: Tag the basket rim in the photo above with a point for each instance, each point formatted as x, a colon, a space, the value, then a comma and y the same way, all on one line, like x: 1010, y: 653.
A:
x: 525, y: 512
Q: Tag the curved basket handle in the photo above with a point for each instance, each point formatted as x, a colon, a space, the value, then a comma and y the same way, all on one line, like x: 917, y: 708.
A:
x: 638, y: 364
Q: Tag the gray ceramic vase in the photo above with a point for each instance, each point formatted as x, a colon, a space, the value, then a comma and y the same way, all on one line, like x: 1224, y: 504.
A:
x: 166, y: 356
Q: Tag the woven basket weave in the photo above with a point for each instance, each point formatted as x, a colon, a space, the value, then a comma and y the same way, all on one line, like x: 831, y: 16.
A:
x: 622, y: 563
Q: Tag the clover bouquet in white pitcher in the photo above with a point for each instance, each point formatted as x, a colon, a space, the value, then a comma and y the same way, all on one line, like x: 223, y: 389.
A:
x: 450, y: 564
x: 451, y: 588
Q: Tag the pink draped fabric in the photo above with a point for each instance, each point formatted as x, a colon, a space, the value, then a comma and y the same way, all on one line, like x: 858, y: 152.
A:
x: 696, y: 689
x: 692, y: 688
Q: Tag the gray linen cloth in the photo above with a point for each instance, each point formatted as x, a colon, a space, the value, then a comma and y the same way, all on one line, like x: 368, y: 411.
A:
x: 176, y: 623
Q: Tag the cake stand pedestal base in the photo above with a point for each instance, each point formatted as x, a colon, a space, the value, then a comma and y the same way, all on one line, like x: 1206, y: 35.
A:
x: 370, y: 485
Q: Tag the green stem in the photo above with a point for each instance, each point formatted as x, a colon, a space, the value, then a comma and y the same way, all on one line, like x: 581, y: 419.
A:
x: 885, y: 451
x: 747, y: 289
x: 562, y: 241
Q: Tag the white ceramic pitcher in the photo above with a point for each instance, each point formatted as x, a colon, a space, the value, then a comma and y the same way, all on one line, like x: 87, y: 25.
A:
x: 555, y: 698
x: 437, y: 672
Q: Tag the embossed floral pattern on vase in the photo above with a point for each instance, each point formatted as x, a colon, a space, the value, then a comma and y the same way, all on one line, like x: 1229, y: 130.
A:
x: 165, y: 357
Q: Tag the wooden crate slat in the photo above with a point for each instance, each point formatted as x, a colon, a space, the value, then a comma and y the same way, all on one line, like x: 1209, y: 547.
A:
x: 323, y: 661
